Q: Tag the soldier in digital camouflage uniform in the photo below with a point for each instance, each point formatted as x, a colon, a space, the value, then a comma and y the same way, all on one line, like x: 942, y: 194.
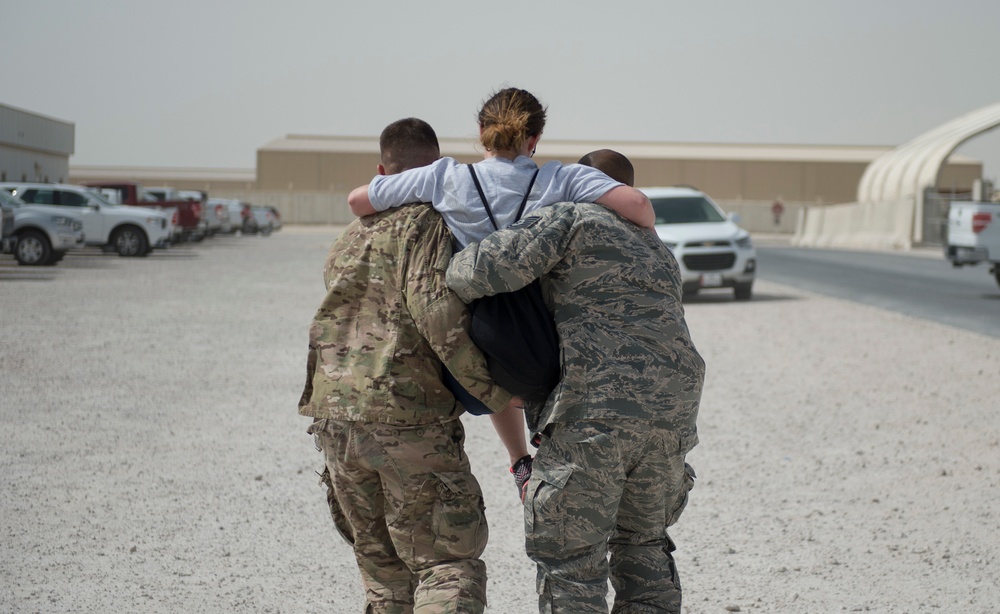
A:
x: 400, y: 487
x: 609, y: 473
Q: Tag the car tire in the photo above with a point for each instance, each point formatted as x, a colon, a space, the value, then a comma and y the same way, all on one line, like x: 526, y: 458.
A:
x: 743, y: 292
x: 33, y: 248
x: 130, y: 242
x: 56, y: 256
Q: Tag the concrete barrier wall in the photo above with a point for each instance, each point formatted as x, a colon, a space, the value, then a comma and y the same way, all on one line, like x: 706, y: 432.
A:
x: 331, y: 208
x: 756, y: 215
x: 298, y: 207
x: 858, y: 225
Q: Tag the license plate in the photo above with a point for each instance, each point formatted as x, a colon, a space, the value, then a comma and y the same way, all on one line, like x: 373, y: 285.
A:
x: 711, y: 280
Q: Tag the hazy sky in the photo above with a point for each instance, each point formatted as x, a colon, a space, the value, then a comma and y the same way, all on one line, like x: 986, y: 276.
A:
x: 204, y: 83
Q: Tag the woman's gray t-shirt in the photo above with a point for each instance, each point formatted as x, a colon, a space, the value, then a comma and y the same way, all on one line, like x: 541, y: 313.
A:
x: 448, y: 185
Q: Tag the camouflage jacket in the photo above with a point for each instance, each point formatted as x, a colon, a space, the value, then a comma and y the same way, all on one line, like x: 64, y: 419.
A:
x: 387, y: 324
x: 615, y: 293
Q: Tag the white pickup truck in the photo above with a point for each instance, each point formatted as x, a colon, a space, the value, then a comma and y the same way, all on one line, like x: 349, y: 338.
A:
x: 974, y: 234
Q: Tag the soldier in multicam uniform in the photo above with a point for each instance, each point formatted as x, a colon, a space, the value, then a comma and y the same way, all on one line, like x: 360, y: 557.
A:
x: 400, y: 486
x: 609, y: 473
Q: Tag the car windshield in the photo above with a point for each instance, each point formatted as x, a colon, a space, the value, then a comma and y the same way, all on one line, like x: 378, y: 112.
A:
x: 9, y: 200
x: 95, y: 192
x: 685, y: 210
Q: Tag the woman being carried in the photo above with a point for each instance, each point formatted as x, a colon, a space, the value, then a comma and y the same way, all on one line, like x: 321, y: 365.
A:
x: 506, y: 181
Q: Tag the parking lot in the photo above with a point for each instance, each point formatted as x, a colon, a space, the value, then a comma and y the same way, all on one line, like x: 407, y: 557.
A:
x: 151, y: 456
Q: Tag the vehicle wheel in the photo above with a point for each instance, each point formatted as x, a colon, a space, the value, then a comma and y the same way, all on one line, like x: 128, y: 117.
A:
x: 56, y: 257
x: 743, y: 292
x: 33, y: 248
x: 130, y: 241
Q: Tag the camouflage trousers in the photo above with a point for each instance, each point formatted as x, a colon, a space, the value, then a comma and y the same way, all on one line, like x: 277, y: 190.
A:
x: 599, y: 488
x: 407, y: 501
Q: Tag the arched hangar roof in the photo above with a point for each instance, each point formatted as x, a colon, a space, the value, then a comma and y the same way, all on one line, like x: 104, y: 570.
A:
x: 905, y: 171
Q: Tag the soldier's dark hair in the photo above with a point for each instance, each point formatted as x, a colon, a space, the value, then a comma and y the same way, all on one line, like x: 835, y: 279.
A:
x: 408, y: 143
x: 612, y: 163
x: 509, y: 118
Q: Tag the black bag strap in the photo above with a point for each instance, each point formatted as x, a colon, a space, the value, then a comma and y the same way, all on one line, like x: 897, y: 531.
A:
x: 524, y: 200
x: 479, y: 188
x: 482, y: 196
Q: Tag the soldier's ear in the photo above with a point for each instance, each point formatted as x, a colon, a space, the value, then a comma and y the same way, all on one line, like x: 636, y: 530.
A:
x: 380, y: 169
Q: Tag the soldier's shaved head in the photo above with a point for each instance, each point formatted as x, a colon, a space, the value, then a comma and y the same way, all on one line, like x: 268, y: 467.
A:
x: 612, y: 164
x: 407, y: 143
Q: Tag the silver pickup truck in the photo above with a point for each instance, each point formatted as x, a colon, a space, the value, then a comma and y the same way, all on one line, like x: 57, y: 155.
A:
x: 974, y: 234
x: 38, y: 234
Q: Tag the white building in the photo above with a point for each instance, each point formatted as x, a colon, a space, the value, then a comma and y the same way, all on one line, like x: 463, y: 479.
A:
x: 34, y: 147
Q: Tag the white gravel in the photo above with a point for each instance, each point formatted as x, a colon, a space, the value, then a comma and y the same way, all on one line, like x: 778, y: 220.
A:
x: 151, y: 457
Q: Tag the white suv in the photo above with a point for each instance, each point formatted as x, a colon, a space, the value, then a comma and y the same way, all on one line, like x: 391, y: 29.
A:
x: 38, y: 234
x: 130, y: 231
x: 712, y: 251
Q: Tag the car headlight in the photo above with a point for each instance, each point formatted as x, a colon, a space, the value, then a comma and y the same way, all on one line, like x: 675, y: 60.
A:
x: 744, y: 243
x: 62, y: 220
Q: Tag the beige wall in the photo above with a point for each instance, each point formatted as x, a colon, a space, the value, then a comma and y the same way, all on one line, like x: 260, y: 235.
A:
x: 159, y: 178
x: 957, y: 178
x: 314, y: 171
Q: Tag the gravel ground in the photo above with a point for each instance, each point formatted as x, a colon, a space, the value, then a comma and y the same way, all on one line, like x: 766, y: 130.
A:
x: 151, y: 458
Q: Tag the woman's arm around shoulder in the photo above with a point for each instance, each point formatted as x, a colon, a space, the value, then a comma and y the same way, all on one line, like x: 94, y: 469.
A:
x: 359, y: 202
x: 631, y: 204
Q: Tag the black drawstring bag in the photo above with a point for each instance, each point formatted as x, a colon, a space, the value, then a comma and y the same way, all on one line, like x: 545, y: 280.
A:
x: 516, y: 331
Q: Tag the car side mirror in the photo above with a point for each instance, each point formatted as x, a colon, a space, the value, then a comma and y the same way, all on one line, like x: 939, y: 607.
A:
x: 734, y: 217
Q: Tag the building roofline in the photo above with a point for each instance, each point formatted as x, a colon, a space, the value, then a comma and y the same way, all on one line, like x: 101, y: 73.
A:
x: 85, y: 172
x: 571, y: 149
x: 37, y: 114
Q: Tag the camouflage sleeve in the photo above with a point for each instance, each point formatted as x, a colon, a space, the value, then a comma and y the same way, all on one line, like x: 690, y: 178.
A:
x: 512, y: 258
x: 445, y: 325
x: 307, y: 390
x: 443, y: 319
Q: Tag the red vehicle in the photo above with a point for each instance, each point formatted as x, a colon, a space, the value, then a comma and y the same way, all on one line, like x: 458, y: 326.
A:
x: 190, y: 218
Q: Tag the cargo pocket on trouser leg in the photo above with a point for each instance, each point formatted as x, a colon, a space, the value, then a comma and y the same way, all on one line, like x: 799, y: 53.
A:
x: 544, y: 511
x: 447, y: 558
x: 674, y: 511
x: 459, y: 519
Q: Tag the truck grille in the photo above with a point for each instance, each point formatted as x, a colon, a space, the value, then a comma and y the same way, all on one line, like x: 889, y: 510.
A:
x: 709, y: 262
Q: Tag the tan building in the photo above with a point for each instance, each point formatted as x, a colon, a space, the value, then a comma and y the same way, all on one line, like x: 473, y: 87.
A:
x: 728, y: 172
x: 308, y: 177
x: 211, y: 180
x: 745, y: 179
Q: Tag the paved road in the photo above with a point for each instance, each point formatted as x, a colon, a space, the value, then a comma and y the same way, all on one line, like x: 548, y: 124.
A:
x: 151, y: 458
x: 921, y: 285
